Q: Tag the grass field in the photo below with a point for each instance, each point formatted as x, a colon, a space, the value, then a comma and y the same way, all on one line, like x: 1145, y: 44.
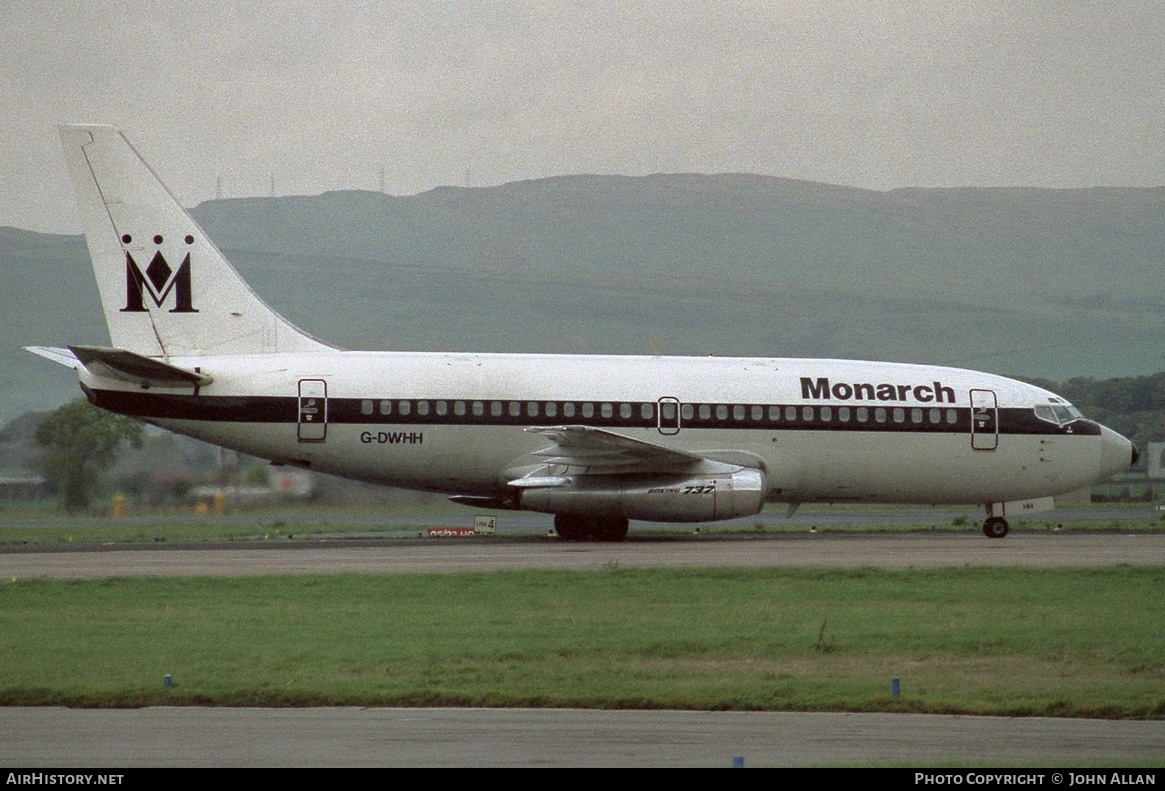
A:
x: 1061, y: 642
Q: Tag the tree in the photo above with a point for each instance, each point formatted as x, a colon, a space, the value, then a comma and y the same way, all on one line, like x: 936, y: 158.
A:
x: 81, y: 441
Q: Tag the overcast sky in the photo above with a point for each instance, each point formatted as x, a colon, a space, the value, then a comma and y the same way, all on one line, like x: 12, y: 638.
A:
x: 322, y: 96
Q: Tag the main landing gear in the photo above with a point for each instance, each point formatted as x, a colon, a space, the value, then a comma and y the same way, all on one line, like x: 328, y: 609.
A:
x: 995, y: 527
x: 571, y: 527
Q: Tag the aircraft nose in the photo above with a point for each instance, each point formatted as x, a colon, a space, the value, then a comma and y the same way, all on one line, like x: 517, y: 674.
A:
x: 1117, y: 454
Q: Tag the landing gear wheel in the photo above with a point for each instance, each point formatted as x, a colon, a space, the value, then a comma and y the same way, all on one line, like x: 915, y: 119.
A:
x: 609, y: 529
x: 995, y: 527
x: 570, y: 527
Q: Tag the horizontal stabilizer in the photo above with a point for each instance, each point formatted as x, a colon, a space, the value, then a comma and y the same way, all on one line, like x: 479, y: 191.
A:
x: 130, y: 367
x: 60, y: 356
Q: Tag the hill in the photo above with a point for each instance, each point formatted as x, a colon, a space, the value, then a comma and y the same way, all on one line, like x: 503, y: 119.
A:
x: 1048, y: 283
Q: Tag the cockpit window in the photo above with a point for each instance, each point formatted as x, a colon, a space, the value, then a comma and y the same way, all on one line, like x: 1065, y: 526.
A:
x: 1061, y: 413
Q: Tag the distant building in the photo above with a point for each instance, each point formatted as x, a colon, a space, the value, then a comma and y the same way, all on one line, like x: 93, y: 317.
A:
x: 286, y: 483
x: 1153, y: 453
x: 22, y: 487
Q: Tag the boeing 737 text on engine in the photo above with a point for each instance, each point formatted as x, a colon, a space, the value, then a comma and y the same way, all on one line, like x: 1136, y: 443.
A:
x: 594, y: 440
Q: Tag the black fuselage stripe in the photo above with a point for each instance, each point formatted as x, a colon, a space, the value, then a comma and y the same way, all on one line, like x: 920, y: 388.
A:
x: 352, y: 411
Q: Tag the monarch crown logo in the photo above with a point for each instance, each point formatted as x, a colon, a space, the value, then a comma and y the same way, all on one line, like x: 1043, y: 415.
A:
x: 158, y: 281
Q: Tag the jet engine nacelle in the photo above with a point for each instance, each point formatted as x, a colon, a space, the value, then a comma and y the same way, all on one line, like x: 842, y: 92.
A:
x: 700, y: 498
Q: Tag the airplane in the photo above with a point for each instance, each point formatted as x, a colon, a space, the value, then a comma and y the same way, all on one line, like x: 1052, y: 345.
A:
x: 595, y: 440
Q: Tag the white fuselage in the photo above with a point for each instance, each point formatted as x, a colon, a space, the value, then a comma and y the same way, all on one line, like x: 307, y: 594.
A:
x: 821, y: 430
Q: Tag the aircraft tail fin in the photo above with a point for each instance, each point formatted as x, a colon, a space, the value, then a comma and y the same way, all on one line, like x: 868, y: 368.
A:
x: 166, y: 289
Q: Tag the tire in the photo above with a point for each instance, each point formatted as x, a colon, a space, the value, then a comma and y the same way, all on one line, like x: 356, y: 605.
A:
x: 609, y: 529
x: 570, y: 527
x: 995, y: 527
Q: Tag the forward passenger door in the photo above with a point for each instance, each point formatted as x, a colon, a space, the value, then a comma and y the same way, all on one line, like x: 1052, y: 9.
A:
x: 984, y: 420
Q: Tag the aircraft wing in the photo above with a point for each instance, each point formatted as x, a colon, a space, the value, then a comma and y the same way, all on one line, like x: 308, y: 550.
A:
x: 592, y: 471
x: 585, y: 450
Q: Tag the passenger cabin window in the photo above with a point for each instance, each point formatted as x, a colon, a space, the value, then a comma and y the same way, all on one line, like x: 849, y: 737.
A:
x: 1055, y: 413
